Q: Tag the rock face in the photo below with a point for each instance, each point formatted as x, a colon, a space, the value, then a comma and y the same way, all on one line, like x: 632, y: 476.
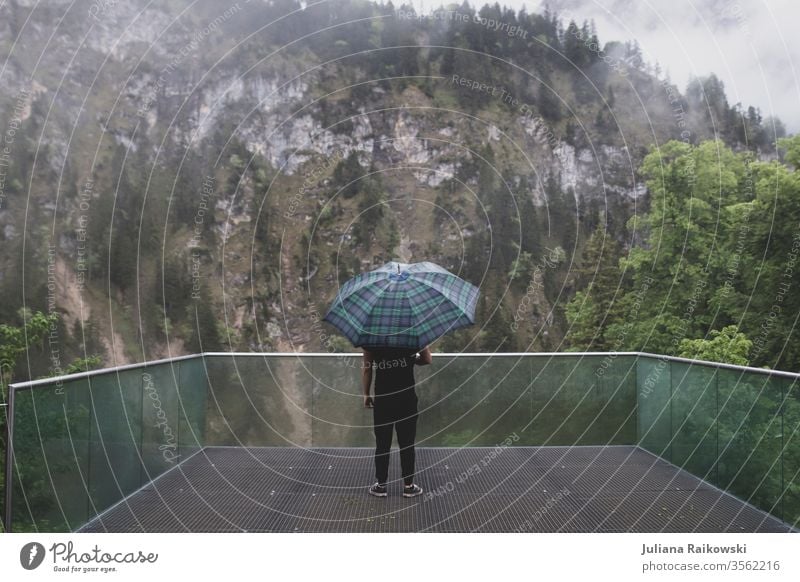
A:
x: 151, y: 102
x: 161, y: 88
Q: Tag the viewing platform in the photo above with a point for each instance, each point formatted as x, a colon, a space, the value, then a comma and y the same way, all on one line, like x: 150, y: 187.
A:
x: 512, y: 442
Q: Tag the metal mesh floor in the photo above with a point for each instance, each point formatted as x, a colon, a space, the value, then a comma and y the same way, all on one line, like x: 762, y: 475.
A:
x: 532, y: 489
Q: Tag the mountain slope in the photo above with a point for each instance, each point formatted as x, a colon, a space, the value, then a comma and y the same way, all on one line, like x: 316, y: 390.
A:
x: 208, y: 176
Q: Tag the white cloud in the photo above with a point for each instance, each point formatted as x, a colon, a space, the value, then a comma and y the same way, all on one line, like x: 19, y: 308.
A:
x: 752, y: 45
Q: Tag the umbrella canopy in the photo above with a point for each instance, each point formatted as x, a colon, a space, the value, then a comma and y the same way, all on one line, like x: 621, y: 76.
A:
x: 403, y: 305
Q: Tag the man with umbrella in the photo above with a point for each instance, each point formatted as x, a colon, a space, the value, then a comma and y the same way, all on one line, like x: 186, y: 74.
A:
x: 394, y: 408
x: 393, y: 313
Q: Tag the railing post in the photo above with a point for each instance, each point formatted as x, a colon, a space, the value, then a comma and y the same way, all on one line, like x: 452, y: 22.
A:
x: 636, y: 401
x: 9, y: 459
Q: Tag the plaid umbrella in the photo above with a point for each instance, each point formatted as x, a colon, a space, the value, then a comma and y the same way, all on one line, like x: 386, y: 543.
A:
x: 406, y: 305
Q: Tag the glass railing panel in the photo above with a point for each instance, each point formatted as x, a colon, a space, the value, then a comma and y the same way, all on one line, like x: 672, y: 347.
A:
x: 339, y: 418
x: 551, y: 406
x: 473, y: 400
x: 192, y: 392
x: 654, y: 413
x: 115, y: 466
x: 160, y: 418
x: 791, y: 452
x: 4, y: 413
x: 571, y: 396
x: 694, y: 409
x: 749, y: 428
x: 51, y: 453
x: 615, y: 401
x: 259, y: 401
x: 552, y: 401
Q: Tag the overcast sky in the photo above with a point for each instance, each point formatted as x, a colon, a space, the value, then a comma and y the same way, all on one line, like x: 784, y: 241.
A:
x: 752, y: 45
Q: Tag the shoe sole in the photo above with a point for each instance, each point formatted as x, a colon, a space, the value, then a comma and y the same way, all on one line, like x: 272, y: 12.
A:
x: 377, y: 494
x: 412, y: 494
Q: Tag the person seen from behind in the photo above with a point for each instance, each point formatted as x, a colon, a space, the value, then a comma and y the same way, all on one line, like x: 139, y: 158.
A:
x: 394, y: 409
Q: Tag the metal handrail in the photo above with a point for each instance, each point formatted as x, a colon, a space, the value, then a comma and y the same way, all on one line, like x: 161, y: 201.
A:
x: 9, y: 458
x: 90, y: 373
x: 80, y: 375
x: 765, y: 371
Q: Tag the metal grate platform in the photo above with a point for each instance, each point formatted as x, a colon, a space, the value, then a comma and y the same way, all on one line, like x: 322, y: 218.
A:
x: 534, y: 489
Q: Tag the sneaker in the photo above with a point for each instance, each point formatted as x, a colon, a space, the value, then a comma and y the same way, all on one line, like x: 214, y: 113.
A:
x: 412, y: 490
x: 377, y: 490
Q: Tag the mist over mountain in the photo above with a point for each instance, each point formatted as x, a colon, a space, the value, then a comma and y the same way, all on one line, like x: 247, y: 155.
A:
x: 184, y: 176
x: 749, y: 45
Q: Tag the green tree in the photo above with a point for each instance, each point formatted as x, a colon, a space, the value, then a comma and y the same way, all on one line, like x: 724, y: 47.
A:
x: 346, y: 175
x: 682, y: 253
x: 205, y: 335
x: 576, y: 48
x: 15, y: 341
x: 706, y: 97
x: 791, y: 146
x: 522, y: 268
x: 595, y: 306
x: 764, y: 239
x: 729, y: 346
x: 174, y: 286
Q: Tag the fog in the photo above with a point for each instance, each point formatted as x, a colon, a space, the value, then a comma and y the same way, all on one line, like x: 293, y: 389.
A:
x: 752, y: 45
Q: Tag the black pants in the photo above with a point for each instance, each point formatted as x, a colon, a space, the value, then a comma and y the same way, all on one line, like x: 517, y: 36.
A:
x: 395, y: 413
